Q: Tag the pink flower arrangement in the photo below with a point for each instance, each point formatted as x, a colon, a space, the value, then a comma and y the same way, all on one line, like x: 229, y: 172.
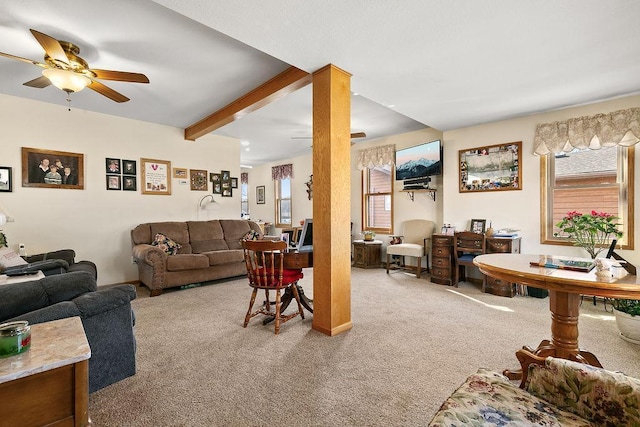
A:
x: 591, y: 232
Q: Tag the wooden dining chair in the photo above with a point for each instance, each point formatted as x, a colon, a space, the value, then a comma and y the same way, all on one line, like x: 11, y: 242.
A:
x: 264, y: 260
x: 466, y: 246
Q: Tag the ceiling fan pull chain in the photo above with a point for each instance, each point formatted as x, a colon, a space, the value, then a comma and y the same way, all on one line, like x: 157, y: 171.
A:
x: 68, y: 100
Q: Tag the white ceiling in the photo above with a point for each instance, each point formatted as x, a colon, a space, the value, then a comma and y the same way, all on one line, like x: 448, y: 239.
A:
x: 439, y: 63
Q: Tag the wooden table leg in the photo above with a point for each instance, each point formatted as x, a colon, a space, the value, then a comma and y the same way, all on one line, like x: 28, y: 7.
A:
x: 565, y: 309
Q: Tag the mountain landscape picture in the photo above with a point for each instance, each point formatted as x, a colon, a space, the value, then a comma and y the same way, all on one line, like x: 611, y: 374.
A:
x: 419, y: 161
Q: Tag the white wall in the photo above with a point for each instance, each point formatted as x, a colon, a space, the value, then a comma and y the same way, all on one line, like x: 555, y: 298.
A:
x: 516, y: 209
x: 96, y: 222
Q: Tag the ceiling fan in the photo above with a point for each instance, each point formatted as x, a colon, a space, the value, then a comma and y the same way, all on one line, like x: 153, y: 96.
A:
x: 354, y: 135
x: 69, y: 72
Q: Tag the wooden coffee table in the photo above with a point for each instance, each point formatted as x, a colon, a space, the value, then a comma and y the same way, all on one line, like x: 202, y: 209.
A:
x: 48, y: 384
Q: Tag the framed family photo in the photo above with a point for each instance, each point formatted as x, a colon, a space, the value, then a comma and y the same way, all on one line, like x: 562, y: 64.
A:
x: 52, y: 169
x: 113, y: 182
x: 491, y: 168
x: 6, y: 183
x: 155, y: 176
x: 112, y: 166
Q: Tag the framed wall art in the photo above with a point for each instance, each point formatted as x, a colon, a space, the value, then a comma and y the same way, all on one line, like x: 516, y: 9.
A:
x: 129, y: 167
x: 112, y: 165
x: 260, y: 195
x: 179, y: 173
x: 155, y: 176
x: 129, y: 183
x: 491, y: 168
x: 234, y: 182
x: 113, y: 182
x: 198, y: 179
x: 52, y: 169
x: 6, y: 179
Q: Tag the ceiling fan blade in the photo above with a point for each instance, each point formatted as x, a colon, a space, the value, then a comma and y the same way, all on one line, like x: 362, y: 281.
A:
x: 39, y: 82
x: 107, y: 91
x: 30, y: 61
x: 358, y: 135
x: 51, y: 46
x: 121, y: 76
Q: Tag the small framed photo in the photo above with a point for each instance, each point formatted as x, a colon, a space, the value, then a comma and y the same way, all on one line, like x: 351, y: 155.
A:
x: 227, y: 193
x: 478, y: 225
x: 260, y: 195
x: 113, y: 182
x: 215, y: 177
x: 226, y: 175
x: 112, y: 165
x: 234, y: 182
x: 129, y: 183
x: 6, y: 180
x: 129, y: 167
x: 179, y: 173
x: 198, y: 179
x: 217, y: 188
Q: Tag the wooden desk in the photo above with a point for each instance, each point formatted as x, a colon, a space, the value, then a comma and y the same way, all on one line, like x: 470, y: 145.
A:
x: 443, y: 262
x: 49, y: 384
x: 565, y: 288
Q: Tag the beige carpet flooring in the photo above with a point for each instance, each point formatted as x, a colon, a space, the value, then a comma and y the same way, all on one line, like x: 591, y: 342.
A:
x: 412, y: 343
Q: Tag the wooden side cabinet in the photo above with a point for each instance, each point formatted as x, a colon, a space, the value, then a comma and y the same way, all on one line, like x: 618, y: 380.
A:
x: 503, y: 245
x: 442, y: 259
x: 366, y: 254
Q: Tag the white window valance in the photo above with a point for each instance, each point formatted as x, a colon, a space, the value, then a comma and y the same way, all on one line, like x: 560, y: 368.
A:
x: 602, y: 130
x: 376, y: 156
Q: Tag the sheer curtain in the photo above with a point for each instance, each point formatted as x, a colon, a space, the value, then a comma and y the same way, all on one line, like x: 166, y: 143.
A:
x: 376, y: 156
x: 620, y: 127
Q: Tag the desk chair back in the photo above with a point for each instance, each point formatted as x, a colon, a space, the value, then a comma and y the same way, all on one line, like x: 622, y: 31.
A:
x: 416, y: 236
x: 466, y: 246
x: 264, y: 260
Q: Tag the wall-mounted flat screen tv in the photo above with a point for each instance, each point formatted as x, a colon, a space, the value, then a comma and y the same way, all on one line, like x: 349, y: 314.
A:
x: 419, y: 161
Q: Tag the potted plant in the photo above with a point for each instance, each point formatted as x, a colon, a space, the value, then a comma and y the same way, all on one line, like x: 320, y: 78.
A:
x: 589, y: 231
x: 627, y: 314
x: 368, y: 235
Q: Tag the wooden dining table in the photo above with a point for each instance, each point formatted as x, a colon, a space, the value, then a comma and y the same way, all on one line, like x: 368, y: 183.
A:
x: 565, y: 289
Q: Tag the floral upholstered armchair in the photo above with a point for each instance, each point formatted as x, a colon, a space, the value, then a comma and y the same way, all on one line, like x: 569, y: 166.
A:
x: 557, y: 392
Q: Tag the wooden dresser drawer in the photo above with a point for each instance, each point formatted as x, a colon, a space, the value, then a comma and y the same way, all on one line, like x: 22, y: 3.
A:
x: 441, y: 262
x: 441, y: 251
x: 499, y: 246
x: 442, y: 241
x: 500, y: 287
x: 440, y: 272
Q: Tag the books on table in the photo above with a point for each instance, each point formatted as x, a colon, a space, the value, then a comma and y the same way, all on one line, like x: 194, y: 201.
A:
x: 564, y: 263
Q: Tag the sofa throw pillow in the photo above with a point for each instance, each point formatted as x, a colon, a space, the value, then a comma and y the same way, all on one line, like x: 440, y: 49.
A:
x: 251, y: 235
x: 169, y: 246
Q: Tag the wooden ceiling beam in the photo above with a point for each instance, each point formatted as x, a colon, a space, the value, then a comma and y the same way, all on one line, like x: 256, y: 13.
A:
x: 284, y: 83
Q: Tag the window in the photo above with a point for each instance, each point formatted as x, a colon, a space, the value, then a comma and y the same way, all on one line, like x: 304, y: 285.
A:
x: 586, y: 180
x: 377, y: 199
x: 283, y: 202
x: 244, y: 199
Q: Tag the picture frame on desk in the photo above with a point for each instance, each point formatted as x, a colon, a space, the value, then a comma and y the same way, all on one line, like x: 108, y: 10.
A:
x: 478, y: 225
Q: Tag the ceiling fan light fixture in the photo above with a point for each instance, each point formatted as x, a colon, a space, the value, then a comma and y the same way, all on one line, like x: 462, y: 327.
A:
x: 65, y: 80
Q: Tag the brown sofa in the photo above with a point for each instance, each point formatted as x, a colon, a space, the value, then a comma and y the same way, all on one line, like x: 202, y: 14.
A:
x: 209, y: 250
